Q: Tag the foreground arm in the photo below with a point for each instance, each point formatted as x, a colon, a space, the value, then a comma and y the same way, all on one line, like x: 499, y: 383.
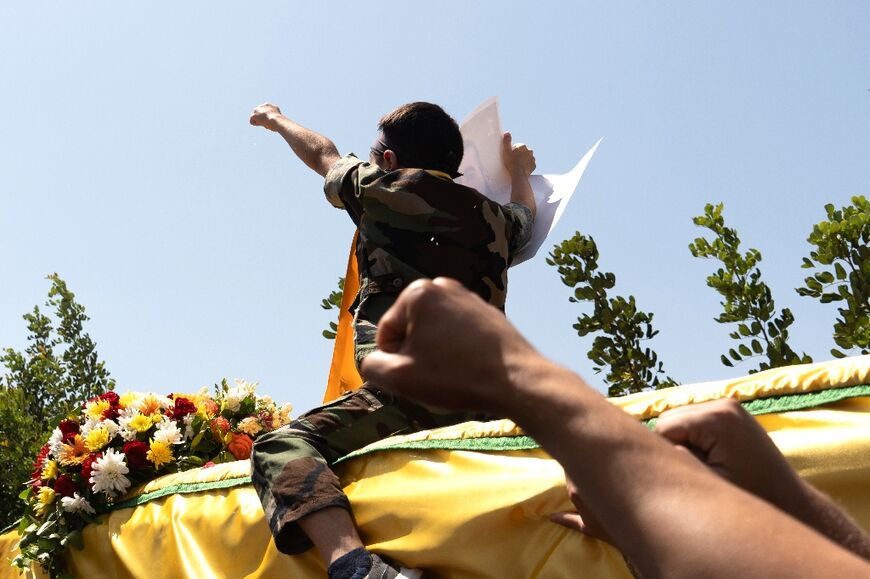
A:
x: 519, y: 161
x: 668, y: 513
x: 315, y: 150
x: 733, y: 444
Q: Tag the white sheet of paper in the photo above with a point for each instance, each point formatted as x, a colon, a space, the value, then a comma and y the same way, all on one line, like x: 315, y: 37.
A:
x: 483, y: 169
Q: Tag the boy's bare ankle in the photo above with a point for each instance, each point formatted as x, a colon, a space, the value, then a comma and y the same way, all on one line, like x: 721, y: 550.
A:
x: 332, y: 531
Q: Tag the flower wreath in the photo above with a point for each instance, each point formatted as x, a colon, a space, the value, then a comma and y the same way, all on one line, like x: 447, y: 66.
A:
x: 117, y: 442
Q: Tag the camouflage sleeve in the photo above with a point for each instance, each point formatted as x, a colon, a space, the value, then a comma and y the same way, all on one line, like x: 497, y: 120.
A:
x: 520, y: 222
x: 340, y: 180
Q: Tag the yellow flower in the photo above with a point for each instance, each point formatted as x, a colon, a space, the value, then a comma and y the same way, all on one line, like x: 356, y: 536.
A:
x: 75, y: 453
x: 49, y: 470
x: 159, y: 454
x: 96, y: 408
x: 141, y: 423
x: 127, y: 399
x: 44, y: 499
x: 97, y: 439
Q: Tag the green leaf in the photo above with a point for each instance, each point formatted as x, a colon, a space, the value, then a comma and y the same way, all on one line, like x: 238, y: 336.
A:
x: 726, y: 361
x: 196, y: 440
x: 756, y: 347
x: 744, y: 349
x: 825, y: 277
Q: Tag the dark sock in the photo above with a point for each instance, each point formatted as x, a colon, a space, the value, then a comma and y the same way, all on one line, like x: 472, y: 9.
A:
x: 346, y: 566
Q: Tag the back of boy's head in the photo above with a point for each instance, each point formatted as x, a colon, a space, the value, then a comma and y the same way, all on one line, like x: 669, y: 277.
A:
x: 423, y: 136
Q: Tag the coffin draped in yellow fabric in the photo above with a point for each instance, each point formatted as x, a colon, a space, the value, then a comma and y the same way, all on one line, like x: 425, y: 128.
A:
x: 470, y: 500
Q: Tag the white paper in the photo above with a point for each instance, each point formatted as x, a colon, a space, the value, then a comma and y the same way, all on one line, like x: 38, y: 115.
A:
x: 482, y: 168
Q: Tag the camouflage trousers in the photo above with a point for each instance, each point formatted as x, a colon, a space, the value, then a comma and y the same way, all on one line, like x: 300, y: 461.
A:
x: 291, y: 465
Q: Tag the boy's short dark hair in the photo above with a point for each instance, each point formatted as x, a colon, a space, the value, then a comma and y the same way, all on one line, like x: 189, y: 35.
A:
x: 423, y: 136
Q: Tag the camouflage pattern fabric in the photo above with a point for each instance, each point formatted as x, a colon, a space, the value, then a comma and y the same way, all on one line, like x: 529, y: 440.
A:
x: 291, y: 465
x: 415, y: 223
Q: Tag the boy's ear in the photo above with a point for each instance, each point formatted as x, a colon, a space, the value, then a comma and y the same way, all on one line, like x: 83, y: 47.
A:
x: 390, y: 160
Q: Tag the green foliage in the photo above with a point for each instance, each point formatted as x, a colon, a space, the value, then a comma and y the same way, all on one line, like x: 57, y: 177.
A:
x: 57, y: 370
x: 333, y: 302
x: 748, y: 301
x: 622, y: 327
x: 842, y: 258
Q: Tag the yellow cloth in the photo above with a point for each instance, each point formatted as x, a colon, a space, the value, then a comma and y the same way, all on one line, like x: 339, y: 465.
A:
x: 458, y: 513
x: 343, y: 375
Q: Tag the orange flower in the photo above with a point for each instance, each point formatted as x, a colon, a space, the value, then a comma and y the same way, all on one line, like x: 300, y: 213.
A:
x: 240, y: 446
x: 74, y: 453
x: 150, y: 404
x: 219, y: 426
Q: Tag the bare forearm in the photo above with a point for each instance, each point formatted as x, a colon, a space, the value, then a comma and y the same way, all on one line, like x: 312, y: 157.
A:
x: 316, y: 151
x: 666, y: 512
x: 817, y: 510
x: 521, y: 192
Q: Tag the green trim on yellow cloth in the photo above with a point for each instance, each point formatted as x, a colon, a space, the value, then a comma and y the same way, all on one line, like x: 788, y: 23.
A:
x: 770, y: 405
x: 180, y: 489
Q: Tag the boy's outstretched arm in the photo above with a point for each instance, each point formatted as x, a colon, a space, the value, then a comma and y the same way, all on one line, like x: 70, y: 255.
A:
x: 519, y: 161
x: 312, y: 148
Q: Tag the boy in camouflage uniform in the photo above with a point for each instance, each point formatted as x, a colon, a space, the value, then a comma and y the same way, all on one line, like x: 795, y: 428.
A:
x: 414, y: 222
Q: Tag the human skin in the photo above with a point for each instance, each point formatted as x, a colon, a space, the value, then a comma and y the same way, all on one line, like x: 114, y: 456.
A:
x: 519, y: 161
x: 731, y: 443
x: 316, y: 151
x: 676, y: 520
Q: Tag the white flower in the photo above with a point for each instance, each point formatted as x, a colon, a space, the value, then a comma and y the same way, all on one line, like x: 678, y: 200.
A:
x: 232, y: 401
x: 266, y: 400
x: 111, y: 426
x: 89, y: 425
x: 127, y: 434
x: 188, y: 426
x: 107, y: 473
x: 92, y: 423
x: 245, y: 389
x: 250, y: 425
x: 76, y: 504
x: 54, y: 442
x: 168, y: 432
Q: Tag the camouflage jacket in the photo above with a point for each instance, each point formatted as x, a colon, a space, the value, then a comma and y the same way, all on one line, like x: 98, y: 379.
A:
x: 415, y: 223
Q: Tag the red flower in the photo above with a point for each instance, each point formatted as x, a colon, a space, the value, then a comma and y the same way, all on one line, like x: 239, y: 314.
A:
x: 266, y: 419
x: 111, y: 396
x: 219, y: 427
x: 240, y: 446
x: 37, y: 467
x: 86, y: 467
x: 136, y: 454
x: 111, y: 413
x: 65, y: 486
x: 69, y: 428
x: 182, y: 408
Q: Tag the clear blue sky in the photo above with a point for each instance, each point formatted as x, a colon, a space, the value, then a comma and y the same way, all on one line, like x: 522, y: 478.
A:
x: 201, y: 247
